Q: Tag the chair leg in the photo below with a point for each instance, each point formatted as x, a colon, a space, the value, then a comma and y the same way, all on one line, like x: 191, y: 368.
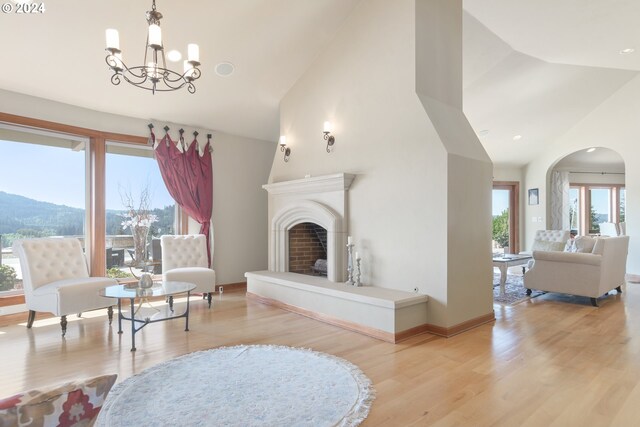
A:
x: 32, y: 317
x: 619, y: 289
x: 110, y: 314
x: 171, y: 302
x: 63, y: 324
x: 209, y: 298
x: 594, y: 302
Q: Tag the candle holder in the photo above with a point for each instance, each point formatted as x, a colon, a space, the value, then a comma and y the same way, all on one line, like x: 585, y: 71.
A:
x: 350, y: 263
x: 357, y: 282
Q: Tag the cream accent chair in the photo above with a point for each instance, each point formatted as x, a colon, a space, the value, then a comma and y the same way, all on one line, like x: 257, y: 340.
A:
x: 184, y: 259
x: 56, y: 279
x: 587, y: 274
x: 608, y: 229
x: 549, y: 240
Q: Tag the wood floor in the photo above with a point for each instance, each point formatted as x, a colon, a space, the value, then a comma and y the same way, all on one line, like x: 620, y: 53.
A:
x: 547, y: 362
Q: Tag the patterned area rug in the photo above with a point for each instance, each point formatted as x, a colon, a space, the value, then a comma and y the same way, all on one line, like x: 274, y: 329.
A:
x: 515, y: 292
x: 247, y: 385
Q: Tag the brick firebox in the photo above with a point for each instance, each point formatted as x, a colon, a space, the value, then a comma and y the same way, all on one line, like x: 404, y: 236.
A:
x: 307, y: 244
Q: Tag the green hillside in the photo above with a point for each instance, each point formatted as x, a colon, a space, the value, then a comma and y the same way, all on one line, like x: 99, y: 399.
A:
x: 22, y: 217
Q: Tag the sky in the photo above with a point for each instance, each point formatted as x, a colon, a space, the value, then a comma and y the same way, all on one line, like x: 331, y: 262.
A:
x: 57, y: 175
x: 599, y: 199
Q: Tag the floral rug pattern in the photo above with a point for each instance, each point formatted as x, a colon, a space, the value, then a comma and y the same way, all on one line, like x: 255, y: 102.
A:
x: 515, y: 292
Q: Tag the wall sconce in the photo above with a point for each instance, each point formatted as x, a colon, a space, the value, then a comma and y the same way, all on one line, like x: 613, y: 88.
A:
x: 327, y: 136
x: 283, y: 147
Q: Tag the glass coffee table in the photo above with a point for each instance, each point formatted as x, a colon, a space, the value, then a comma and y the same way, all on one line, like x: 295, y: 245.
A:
x: 159, y: 289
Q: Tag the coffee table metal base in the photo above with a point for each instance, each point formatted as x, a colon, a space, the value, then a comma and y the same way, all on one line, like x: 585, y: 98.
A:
x: 145, y: 322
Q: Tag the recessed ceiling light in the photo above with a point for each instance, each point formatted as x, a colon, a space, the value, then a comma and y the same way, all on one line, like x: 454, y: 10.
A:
x: 591, y: 150
x: 627, y: 50
x: 225, y: 69
x: 483, y: 132
x: 174, y: 56
x: 517, y: 137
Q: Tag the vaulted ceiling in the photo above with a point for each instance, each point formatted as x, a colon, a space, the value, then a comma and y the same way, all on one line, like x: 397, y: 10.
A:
x: 531, y: 68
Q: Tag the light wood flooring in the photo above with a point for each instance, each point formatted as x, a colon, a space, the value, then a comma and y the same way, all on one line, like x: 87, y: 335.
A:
x: 551, y: 361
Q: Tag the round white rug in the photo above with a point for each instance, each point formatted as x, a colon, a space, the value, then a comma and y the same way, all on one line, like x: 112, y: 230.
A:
x: 247, y: 385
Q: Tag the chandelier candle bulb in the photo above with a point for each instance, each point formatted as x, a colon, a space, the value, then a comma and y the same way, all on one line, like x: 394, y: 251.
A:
x: 349, y: 240
x: 113, y: 39
x: 193, y: 52
x: 155, y: 36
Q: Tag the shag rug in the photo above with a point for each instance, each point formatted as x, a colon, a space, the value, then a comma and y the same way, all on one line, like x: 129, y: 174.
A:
x: 515, y: 292
x: 246, y: 385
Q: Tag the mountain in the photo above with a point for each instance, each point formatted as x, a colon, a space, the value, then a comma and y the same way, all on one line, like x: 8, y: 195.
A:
x: 19, y: 212
x: 34, y: 218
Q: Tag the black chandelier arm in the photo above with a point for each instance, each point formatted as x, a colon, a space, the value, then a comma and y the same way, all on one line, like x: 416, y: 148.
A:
x: 115, y: 79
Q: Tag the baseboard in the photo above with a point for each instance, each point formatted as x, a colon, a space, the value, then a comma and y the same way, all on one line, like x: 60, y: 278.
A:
x: 232, y: 287
x: 460, y: 327
x: 389, y: 337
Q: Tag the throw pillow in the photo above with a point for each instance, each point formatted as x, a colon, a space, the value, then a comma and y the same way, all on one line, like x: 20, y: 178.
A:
x: 570, y: 246
x: 74, y: 404
x: 584, y: 244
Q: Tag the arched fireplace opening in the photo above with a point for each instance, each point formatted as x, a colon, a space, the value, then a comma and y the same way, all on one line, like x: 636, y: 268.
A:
x: 308, y: 249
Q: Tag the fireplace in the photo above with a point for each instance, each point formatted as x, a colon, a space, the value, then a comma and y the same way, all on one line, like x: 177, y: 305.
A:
x: 308, y: 249
x: 321, y: 201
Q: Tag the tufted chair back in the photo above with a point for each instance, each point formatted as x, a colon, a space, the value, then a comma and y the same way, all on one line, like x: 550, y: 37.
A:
x: 48, y: 260
x: 184, y: 251
x: 559, y: 236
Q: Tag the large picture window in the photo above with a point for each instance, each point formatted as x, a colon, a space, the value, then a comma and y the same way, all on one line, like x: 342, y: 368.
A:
x: 42, y: 193
x: 61, y: 180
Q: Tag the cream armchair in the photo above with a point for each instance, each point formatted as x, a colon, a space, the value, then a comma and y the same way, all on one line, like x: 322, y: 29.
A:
x: 184, y: 259
x: 549, y: 240
x: 56, y: 279
x: 587, y: 274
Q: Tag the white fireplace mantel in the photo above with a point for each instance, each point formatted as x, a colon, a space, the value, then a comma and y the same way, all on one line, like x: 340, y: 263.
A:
x: 317, y: 184
x: 321, y: 200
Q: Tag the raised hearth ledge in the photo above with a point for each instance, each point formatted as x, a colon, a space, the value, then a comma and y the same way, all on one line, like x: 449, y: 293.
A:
x: 386, y: 314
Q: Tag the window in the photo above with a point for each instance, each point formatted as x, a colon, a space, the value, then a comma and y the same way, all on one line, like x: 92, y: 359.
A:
x: 139, y: 210
x: 593, y: 204
x: 600, y: 208
x: 42, y: 193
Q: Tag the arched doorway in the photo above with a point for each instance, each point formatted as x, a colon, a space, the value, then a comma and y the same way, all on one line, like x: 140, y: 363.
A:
x: 594, y: 180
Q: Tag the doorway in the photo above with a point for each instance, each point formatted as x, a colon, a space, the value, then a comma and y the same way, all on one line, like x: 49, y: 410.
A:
x: 505, y: 214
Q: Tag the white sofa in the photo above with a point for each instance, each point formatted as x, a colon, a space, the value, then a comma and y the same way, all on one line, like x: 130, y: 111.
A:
x: 587, y: 274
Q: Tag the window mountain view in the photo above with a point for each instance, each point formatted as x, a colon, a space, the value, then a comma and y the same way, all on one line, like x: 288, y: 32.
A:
x: 22, y: 217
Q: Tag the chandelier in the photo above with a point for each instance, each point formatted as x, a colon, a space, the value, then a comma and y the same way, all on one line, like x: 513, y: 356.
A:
x: 154, y: 74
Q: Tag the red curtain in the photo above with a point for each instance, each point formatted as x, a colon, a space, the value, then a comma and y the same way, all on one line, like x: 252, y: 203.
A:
x: 189, y: 179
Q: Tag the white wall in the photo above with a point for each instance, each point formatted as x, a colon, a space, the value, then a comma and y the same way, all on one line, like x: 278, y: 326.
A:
x: 241, y: 165
x: 615, y: 125
x: 402, y: 198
